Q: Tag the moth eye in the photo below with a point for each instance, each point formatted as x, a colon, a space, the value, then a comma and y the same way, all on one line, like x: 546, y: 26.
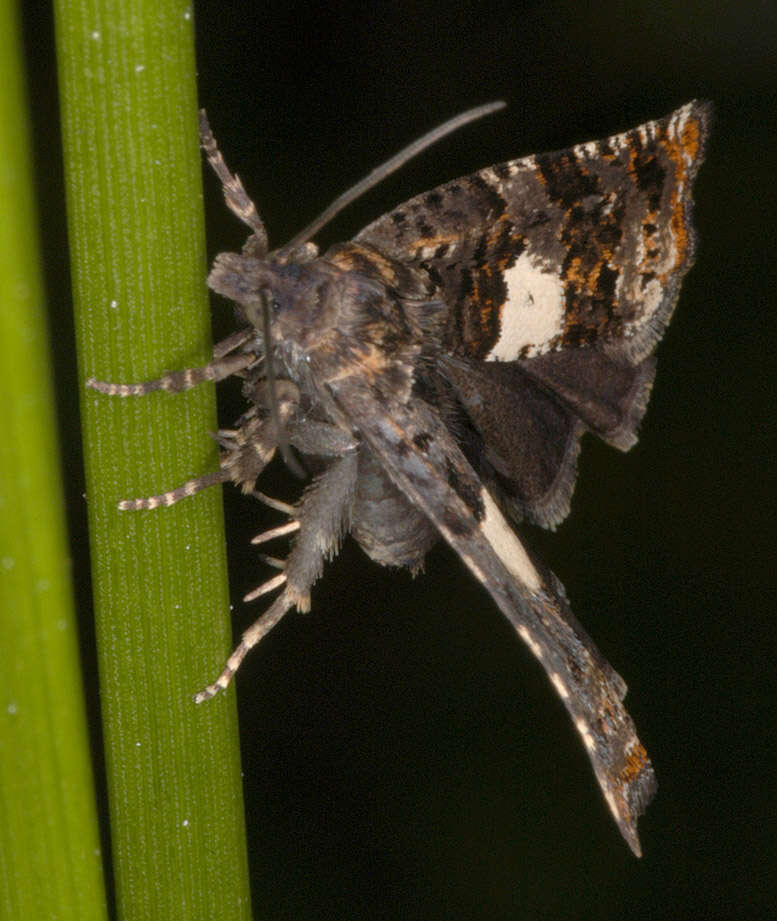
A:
x: 270, y: 299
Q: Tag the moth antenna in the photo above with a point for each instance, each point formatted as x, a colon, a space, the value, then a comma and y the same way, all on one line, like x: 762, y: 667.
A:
x: 280, y: 429
x: 390, y: 166
x: 250, y: 638
x: 281, y: 531
x: 235, y: 194
x: 178, y: 381
x: 266, y: 587
x: 190, y: 488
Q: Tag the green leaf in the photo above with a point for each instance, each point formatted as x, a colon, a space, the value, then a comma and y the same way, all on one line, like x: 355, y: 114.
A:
x: 133, y: 178
x: 50, y: 864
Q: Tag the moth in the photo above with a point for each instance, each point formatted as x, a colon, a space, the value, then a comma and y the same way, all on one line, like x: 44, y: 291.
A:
x: 436, y: 374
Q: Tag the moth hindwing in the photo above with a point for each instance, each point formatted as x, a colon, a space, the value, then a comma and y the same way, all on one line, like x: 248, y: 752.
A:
x: 437, y: 373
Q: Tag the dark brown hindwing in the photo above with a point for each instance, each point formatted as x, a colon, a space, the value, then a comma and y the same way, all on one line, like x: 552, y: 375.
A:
x: 530, y: 415
x: 528, y: 442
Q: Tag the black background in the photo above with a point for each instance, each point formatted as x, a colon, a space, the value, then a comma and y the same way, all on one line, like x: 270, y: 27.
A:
x: 404, y: 756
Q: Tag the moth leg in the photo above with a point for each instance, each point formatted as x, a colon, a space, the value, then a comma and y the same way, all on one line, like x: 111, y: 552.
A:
x: 273, y: 561
x: 280, y: 531
x: 250, y: 638
x: 274, y: 503
x: 322, y: 438
x: 323, y: 518
x: 319, y: 438
x: 177, y: 381
x: 269, y: 586
x: 166, y: 499
x: 232, y: 342
x: 247, y: 451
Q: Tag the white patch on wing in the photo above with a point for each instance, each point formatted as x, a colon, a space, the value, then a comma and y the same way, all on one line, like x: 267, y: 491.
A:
x: 610, y: 800
x: 648, y: 298
x: 652, y: 298
x: 588, y: 739
x: 535, y: 647
x: 679, y: 120
x: 533, y: 313
x: 506, y: 545
x: 559, y: 685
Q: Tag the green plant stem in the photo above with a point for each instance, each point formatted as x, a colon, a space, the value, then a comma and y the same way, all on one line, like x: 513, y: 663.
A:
x: 127, y: 84
x: 50, y: 863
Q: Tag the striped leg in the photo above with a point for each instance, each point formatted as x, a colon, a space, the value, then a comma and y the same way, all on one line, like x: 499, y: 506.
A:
x: 247, y: 451
x: 165, y: 499
x: 321, y: 519
x: 177, y: 381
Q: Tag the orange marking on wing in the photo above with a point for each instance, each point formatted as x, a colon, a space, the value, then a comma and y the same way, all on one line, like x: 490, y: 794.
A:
x: 353, y: 257
x: 682, y: 151
x: 449, y: 240
x: 635, y: 764
x: 585, y: 280
x: 496, y: 264
x: 690, y: 139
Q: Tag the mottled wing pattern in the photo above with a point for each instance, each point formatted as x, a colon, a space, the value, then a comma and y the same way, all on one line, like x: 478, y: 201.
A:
x: 566, y: 268
x: 574, y: 248
x: 418, y: 453
x: 559, y: 273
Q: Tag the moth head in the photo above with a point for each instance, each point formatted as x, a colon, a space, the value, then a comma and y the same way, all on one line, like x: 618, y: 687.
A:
x: 299, y: 296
